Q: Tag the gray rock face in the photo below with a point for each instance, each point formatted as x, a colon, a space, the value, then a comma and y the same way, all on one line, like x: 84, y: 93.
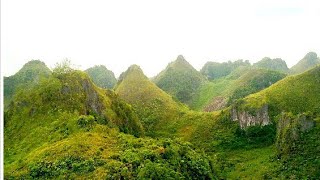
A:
x: 92, y: 99
x: 247, y: 119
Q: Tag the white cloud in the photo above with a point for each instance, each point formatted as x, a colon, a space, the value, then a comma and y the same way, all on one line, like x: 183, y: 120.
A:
x: 151, y: 34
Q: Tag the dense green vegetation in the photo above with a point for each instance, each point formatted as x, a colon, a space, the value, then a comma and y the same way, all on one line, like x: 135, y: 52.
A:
x: 180, y: 80
x: 104, y: 153
x: 29, y: 74
x: 102, y: 77
x: 309, y: 61
x: 272, y: 64
x: 293, y: 105
x: 65, y: 127
x: 298, y: 147
x: 238, y: 84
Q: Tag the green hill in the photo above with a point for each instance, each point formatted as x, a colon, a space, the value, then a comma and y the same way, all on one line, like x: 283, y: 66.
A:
x: 244, y: 80
x: 180, y: 80
x: 154, y: 106
x: 309, y: 61
x: 291, y: 104
x: 102, y: 77
x: 296, y: 94
x: 29, y: 74
x: 65, y: 127
x: 272, y: 64
x: 215, y: 70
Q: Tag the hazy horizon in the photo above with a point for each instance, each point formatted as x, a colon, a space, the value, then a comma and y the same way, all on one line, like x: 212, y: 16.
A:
x: 152, y: 34
x: 77, y: 66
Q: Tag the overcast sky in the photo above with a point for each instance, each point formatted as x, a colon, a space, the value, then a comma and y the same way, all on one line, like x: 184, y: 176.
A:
x: 153, y: 33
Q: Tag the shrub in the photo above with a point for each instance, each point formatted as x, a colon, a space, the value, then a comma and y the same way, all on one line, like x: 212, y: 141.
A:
x: 86, y: 121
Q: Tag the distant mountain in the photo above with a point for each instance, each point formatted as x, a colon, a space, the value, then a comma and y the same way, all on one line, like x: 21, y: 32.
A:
x: 215, y: 70
x: 102, y: 77
x: 180, y: 80
x: 309, y: 61
x: 154, y: 106
x: 28, y: 75
x: 272, y: 64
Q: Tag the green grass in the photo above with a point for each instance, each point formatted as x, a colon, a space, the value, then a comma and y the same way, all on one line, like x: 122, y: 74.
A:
x: 296, y: 94
x: 211, y: 90
x: 257, y: 163
x: 155, y: 108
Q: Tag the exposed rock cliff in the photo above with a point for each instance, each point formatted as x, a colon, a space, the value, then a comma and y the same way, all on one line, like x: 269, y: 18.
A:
x: 246, y: 118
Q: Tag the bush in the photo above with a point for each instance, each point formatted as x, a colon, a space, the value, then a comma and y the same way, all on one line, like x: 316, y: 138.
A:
x: 86, y: 121
x: 46, y: 169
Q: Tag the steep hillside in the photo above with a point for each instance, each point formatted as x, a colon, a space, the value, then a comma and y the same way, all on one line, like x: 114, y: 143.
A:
x: 241, y: 82
x: 102, y: 77
x: 296, y: 94
x: 154, y: 107
x: 180, y: 80
x: 215, y: 70
x: 291, y: 104
x: 272, y: 64
x: 65, y: 127
x: 309, y: 61
x: 29, y: 74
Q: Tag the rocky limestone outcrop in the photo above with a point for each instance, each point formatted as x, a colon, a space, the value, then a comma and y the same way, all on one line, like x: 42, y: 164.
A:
x: 289, y: 128
x: 259, y: 117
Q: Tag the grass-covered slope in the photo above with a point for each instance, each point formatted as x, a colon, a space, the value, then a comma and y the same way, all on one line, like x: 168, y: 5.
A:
x: 296, y: 94
x: 65, y: 127
x: 154, y: 106
x: 309, y: 61
x: 286, y: 149
x: 104, y: 153
x: 102, y: 77
x: 60, y: 105
x: 294, y: 107
x: 241, y: 82
x: 180, y: 80
x: 272, y: 64
x: 29, y: 74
